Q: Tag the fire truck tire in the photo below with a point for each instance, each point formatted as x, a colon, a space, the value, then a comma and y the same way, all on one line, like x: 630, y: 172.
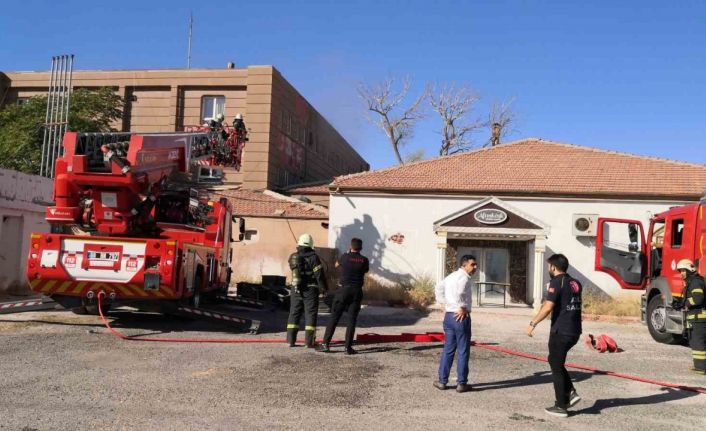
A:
x: 656, y: 321
x: 79, y: 310
x: 92, y: 309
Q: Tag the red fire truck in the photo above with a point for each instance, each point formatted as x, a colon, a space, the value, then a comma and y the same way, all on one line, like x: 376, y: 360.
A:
x: 129, y: 221
x: 649, y: 263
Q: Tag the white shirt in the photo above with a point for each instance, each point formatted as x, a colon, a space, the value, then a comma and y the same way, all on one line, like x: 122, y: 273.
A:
x: 455, y: 291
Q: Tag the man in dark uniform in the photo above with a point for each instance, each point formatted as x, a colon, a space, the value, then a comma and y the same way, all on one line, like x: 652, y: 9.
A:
x: 349, y: 296
x: 695, y: 304
x: 563, y: 302
x: 239, y: 124
x: 307, y: 281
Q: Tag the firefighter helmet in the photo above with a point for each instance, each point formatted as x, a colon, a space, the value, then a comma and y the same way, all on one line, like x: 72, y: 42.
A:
x: 219, y: 117
x: 687, y: 265
x: 238, y: 116
x: 305, y: 240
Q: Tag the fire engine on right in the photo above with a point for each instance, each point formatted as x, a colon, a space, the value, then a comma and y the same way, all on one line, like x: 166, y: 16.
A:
x: 658, y: 264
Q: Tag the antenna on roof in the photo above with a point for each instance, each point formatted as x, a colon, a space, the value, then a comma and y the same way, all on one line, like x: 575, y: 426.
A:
x: 191, y: 25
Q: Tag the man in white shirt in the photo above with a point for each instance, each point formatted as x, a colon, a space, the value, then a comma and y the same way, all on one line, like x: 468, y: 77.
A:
x: 454, y: 293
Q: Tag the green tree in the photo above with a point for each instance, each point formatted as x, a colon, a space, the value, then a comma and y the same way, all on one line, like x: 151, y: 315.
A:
x: 22, y: 126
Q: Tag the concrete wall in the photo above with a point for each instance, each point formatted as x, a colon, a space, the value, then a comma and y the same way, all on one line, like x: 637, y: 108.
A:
x: 376, y: 218
x: 21, y: 213
x: 268, y: 244
x: 305, y: 147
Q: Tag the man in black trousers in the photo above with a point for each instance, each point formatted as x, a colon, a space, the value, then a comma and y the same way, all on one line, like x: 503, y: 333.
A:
x: 348, y: 297
x: 563, y: 302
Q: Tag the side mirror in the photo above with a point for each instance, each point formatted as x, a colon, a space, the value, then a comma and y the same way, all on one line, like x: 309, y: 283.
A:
x: 241, y: 226
x: 632, y: 232
x: 242, y: 229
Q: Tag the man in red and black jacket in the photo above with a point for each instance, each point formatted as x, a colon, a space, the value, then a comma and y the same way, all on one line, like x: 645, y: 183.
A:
x: 348, y: 297
x: 563, y: 302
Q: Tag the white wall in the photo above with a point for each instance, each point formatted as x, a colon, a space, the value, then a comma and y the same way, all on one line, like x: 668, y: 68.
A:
x: 21, y: 212
x: 375, y: 219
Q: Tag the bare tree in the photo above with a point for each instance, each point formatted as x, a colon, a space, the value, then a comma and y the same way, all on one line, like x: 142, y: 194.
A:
x: 501, y: 122
x: 453, y: 105
x: 385, y: 104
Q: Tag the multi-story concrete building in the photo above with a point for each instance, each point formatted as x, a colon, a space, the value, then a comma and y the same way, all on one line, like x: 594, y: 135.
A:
x: 290, y: 142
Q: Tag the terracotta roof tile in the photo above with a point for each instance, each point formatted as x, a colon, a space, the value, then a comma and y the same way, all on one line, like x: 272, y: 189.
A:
x: 313, y: 188
x: 251, y: 203
x: 539, y: 167
x: 321, y: 189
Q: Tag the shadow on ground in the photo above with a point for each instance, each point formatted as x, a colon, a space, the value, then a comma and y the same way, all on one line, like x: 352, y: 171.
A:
x: 668, y: 394
x: 271, y: 320
x: 538, y: 378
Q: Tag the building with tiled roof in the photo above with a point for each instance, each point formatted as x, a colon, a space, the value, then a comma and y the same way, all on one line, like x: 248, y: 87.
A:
x: 268, y: 204
x: 510, y: 206
x: 539, y: 167
x: 272, y: 224
x: 315, y: 192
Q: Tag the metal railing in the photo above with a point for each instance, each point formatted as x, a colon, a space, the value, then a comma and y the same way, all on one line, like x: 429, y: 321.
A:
x: 57, y: 116
x: 493, y: 286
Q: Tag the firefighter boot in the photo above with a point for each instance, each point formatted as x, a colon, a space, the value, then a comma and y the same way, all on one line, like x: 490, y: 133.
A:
x: 291, y: 337
x: 310, y: 337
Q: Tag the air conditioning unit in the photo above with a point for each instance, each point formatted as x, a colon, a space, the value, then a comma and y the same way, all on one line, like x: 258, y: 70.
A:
x: 584, y: 224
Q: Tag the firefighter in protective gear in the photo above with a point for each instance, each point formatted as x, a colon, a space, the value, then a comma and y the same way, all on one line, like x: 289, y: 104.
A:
x: 695, y: 304
x: 238, y: 123
x: 308, y: 280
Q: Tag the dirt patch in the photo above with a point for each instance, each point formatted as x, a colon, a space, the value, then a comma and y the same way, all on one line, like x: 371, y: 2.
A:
x: 315, y: 380
x: 519, y: 417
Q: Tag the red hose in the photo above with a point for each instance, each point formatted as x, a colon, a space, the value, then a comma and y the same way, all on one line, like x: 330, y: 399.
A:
x: 416, y: 338
x: 593, y: 370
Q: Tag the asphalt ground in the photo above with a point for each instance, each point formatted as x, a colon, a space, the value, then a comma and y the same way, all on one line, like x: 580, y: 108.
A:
x: 61, y: 371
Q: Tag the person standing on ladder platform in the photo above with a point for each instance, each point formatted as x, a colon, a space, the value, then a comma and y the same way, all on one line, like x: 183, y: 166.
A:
x: 695, y: 303
x: 353, y: 266
x: 308, y: 280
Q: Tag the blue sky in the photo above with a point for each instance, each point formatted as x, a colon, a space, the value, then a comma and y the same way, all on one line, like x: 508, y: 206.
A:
x: 625, y: 76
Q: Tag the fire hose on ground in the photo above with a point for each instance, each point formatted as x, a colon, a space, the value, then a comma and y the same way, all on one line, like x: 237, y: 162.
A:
x: 400, y: 338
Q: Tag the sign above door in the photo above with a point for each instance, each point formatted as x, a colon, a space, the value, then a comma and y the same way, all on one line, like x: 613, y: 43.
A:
x: 490, y: 216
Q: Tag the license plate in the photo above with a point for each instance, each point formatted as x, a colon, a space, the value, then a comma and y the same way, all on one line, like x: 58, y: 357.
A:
x: 109, y: 256
x: 102, y: 256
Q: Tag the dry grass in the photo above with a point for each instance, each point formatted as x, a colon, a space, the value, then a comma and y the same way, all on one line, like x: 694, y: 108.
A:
x: 373, y: 290
x: 417, y: 293
x: 603, y: 305
x: 421, y: 293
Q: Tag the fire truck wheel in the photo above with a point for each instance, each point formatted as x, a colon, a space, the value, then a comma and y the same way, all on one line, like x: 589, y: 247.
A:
x: 657, y: 320
x: 93, y: 309
x: 79, y: 310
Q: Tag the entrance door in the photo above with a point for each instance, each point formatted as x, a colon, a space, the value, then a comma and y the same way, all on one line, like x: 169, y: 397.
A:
x: 493, y: 267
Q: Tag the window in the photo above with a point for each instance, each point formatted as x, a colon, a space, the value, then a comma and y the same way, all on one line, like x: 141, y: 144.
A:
x: 22, y: 100
x: 677, y: 233
x: 212, y: 106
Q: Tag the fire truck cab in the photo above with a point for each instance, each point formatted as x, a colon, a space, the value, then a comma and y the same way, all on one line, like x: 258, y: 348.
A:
x: 648, y: 262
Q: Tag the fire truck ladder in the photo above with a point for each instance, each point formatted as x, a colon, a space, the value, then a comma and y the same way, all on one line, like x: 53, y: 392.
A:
x: 43, y: 303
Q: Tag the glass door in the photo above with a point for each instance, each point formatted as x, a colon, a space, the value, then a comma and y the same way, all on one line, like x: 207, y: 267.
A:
x: 493, y: 267
x: 496, y: 269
